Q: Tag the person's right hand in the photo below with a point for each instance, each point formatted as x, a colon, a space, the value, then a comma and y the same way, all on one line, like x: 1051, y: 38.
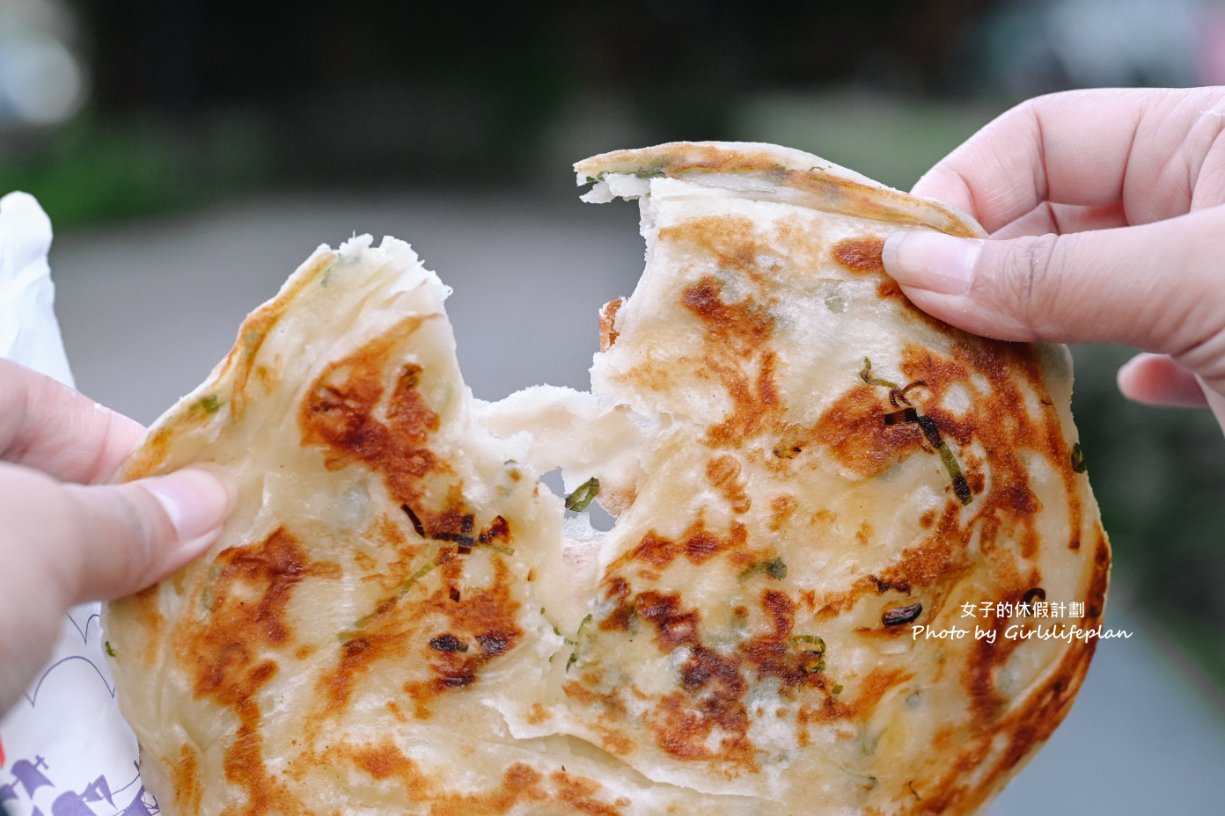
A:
x: 1106, y: 211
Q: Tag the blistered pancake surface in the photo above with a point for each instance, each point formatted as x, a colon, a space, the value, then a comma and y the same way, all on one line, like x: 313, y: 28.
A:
x: 812, y: 480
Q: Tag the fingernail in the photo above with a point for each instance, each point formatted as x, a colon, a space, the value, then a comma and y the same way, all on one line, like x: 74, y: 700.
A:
x: 196, y: 500
x: 1129, y: 368
x: 932, y: 260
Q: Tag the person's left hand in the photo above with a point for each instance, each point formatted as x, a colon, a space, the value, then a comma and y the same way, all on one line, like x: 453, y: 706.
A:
x: 65, y: 535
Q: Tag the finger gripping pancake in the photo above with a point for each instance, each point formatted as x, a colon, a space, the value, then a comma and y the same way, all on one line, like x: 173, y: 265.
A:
x: 815, y: 487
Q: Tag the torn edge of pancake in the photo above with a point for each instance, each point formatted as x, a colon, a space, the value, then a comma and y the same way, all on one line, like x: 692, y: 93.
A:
x: 768, y: 173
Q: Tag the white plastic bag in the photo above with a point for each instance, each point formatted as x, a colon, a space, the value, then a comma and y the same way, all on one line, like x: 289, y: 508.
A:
x: 64, y: 748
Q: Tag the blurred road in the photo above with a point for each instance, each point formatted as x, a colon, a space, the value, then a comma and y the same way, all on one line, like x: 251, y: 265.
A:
x: 147, y: 310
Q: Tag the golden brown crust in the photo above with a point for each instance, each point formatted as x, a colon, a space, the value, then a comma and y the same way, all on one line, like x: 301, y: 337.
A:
x: 807, y: 472
x: 821, y: 185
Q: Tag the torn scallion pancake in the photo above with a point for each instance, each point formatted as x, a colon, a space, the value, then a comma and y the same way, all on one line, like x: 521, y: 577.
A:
x: 805, y: 471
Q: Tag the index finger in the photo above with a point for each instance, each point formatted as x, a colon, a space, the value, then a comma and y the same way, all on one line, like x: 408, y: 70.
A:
x: 50, y: 427
x: 1140, y: 150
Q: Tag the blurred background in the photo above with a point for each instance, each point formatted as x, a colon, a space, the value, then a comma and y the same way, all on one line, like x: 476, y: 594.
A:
x: 191, y: 153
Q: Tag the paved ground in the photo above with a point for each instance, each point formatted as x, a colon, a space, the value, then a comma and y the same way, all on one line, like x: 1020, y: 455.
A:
x: 147, y: 310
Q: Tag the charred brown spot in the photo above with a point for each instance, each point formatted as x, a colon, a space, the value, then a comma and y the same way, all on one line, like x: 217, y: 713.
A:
x: 498, y: 530
x: 579, y: 793
x: 655, y: 550
x: 795, y: 661
x: 787, y: 450
x: 150, y: 615
x: 684, y: 733
x: 480, y: 629
x: 520, y: 789
x: 220, y: 646
x: 735, y: 353
x: 495, y: 643
x: 861, y: 254
x: 707, y: 666
x: 673, y: 627
x: 883, y: 585
x: 356, y: 655
x: 488, y: 617
x: 723, y: 472
x: 412, y: 420
x: 454, y: 677
x: 188, y: 789
x: 698, y: 544
x: 701, y: 546
x: 227, y: 649
x: 384, y: 760
x: 742, y: 326
x: 339, y: 413
x: 448, y: 643
x: 782, y: 508
x: 712, y: 688
x: 623, y: 615
x: 938, y: 558
x: 733, y: 240
x: 857, y: 436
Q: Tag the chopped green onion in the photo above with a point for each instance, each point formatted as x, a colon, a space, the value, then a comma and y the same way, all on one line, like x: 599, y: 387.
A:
x: 930, y: 430
x: 418, y: 527
x: 865, y: 374
x: 811, y: 640
x: 577, y: 640
x: 812, y: 662
x: 894, y: 397
x: 904, y: 415
x: 583, y: 495
x: 209, y: 403
x: 901, y: 614
x: 960, y: 486
x: 775, y: 568
x: 110, y: 650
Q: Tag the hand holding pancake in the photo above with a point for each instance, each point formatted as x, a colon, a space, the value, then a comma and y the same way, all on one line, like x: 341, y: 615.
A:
x: 1104, y: 209
x: 815, y: 488
x: 66, y: 537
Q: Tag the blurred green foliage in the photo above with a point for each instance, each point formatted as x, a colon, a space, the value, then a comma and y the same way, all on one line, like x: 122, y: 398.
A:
x: 88, y: 173
x: 99, y: 169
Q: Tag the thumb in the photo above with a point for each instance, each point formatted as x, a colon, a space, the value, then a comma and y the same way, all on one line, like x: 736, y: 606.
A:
x: 1157, y: 286
x: 102, y: 542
